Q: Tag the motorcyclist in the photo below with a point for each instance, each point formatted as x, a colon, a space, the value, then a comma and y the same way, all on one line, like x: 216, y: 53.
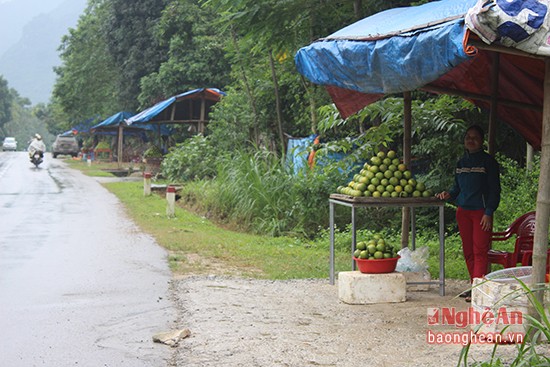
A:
x: 37, y: 145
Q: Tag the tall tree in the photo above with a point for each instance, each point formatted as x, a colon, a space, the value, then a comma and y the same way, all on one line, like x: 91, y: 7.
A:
x: 265, y: 35
x: 196, y: 57
x: 86, y: 81
x: 6, y: 99
x: 129, y: 32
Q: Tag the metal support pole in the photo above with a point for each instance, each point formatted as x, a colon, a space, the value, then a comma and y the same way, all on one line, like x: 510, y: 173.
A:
x: 442, y: 250
x: 413, y: 229
x: 353, y: 237
x: 331, y: 211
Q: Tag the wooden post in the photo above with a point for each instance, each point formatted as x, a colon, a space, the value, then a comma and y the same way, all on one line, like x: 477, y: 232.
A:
x: 407, y: 132
x: 494, y: 103
x: 540, y: 245
x: 200, y: 125
x: 120, y: 142
x: 173, y: 112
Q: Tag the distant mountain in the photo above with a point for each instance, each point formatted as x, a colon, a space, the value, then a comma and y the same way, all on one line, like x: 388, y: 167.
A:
x: 15, y: 14
x: 27, y: 64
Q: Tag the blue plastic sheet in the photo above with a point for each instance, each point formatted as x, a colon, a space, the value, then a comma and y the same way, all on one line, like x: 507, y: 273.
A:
x: 151, y: 112
x: 387, y: 52
x: 297, y: 152
x: 114, y: 120
x: 120, y: 118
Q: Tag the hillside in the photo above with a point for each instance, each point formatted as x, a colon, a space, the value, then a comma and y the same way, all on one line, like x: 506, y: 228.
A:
x: 27, y: 61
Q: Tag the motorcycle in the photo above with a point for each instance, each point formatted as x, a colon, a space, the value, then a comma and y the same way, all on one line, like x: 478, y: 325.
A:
x: 37, y: 157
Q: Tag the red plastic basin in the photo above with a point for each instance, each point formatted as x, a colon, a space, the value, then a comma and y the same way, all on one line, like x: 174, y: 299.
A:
x: 376, y: 266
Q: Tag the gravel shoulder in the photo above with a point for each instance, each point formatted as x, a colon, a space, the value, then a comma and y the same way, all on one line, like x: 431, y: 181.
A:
x: 235, y: 321
x: 245, y: 322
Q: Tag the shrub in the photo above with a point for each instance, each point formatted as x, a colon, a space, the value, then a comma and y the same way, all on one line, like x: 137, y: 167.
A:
x: 153, y: 152
x: 193, y: 159
x: 519, y: 190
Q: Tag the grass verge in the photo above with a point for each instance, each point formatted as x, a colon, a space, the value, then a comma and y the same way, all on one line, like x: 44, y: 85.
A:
x: 196, y: 245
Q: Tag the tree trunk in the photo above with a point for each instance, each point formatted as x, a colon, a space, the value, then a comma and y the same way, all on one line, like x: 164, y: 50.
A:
x: 540, y: 245
x: 277, y: 103
x: 312, y: 105
x: 307, y: 85
x: 252, y: 100
x: 357, y: 9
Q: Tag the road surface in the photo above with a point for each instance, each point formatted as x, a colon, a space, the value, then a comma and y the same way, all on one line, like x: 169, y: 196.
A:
x: 80, y: 285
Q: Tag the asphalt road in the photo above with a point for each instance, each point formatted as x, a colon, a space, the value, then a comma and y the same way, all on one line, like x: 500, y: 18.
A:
x: 80, y: 285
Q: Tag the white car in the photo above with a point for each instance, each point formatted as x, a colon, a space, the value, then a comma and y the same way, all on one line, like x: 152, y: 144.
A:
x: 9, y: 144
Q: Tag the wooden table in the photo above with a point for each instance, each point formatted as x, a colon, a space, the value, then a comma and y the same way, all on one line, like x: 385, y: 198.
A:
x: 358, y: 202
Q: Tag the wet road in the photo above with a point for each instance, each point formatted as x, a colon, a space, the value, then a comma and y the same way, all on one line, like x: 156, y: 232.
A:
x: 80, y: 285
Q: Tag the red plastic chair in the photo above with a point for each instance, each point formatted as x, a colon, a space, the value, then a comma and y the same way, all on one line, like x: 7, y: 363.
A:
x: 523, y: 229
x: 527, y: 257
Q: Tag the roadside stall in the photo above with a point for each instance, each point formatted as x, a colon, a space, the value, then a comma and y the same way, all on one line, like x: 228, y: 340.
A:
x: 449, y: 47
x: 116, y: 125
x: 190, y: 108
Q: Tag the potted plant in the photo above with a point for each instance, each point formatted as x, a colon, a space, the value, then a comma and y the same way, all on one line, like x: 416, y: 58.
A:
x: 152, y: 158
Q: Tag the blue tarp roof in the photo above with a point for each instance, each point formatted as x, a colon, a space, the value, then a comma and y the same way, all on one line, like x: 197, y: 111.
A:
x: 151, y: 112
x: 120, y: 118
x: 114, y: 120
x: 425, y: 47
x: 366, y: 57
x: 84, y: 126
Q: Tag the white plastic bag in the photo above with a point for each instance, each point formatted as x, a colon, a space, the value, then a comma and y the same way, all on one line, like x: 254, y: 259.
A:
x: 414, y: 261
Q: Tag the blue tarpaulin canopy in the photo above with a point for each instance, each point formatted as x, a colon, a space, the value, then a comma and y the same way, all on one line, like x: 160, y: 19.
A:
x: 82, y: 127
x: 388, y: 52
x: 189, y: 107
x: 425, y: 47
x: 114, y: 120
x: 112, y: 123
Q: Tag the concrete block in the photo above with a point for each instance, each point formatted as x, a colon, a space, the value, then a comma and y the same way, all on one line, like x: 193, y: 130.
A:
x: 357, y: 288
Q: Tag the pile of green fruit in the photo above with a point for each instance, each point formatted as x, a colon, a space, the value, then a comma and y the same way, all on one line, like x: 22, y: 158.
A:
x: 375, y: 248
x: 385, y: 176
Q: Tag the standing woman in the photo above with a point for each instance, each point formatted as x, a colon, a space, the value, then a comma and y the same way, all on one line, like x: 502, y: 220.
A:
x: 476, y: 192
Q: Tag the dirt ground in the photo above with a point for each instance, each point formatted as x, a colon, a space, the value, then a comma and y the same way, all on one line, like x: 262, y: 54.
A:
x: 235, y: 321
x: 243, y: 322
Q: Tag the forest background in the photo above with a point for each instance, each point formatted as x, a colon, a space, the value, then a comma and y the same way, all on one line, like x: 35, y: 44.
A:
x: 126, y: 56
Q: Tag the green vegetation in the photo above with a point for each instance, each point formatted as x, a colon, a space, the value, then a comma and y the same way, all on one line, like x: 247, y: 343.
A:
x: 121, y: 58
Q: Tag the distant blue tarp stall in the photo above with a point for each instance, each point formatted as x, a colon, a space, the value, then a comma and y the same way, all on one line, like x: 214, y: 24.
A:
x: 298, y: 152
x: 84, y: 126
x: 147, y: 114
x: 69, y: 133
x: 158, y: 112
x: 111, y: 124
x: 114, y: 120
x: 429, y: 47
x: 299, y: 156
